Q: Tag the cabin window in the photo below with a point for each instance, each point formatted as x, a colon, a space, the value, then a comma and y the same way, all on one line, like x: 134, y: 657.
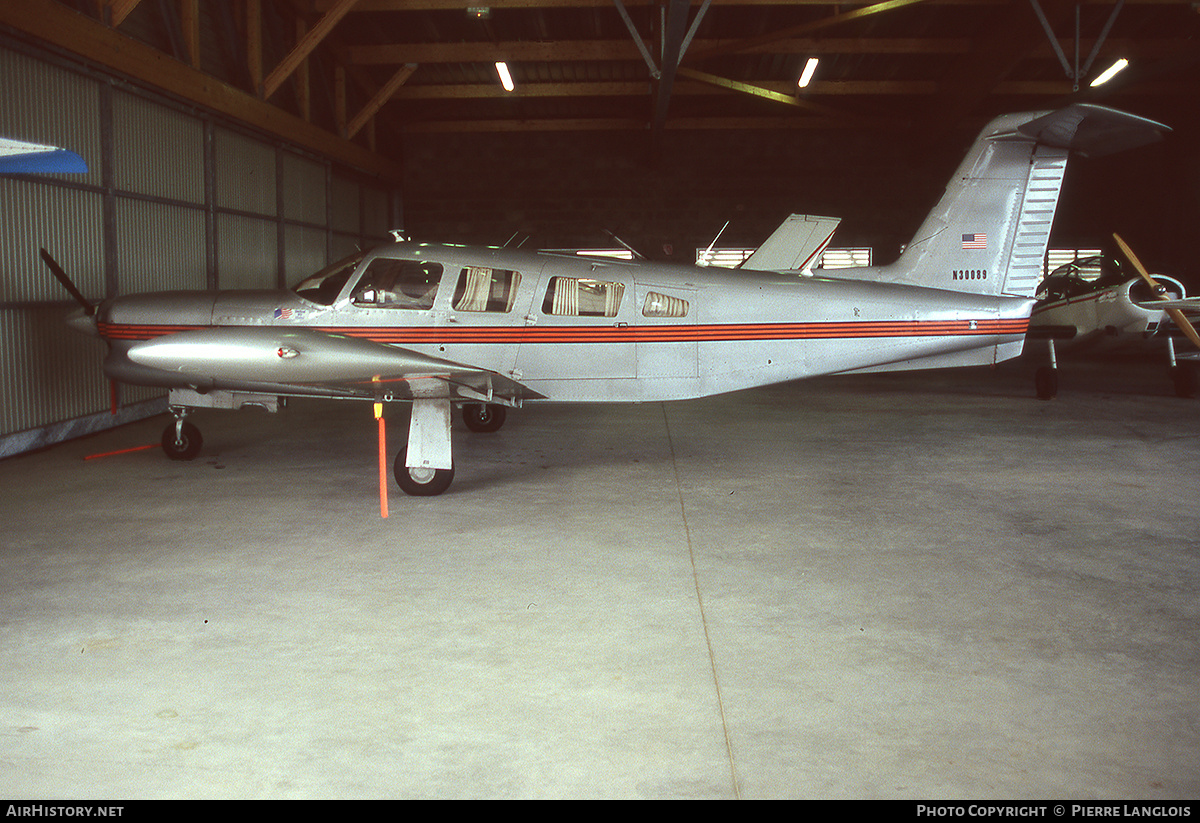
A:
x: 398, y: 284
x: 583, y: 298
x: 663, y: 305
x: 484, y: 289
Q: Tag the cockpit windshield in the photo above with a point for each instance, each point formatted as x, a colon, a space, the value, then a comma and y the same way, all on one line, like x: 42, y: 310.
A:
x: 325, y: 286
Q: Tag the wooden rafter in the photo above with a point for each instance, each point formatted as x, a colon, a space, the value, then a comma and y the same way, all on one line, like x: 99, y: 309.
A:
x: 254, y: 44
x: 305, y: 47
x: 755, y: 91
x: 189, y: 20
x: 303, y: 82
x: 807, y: 28
x: 622, y: 50
x: 53, y: 22
x: 117, y: 10
x: 382, y: 96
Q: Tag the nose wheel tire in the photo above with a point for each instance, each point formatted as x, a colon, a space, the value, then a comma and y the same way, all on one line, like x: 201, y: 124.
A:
x: 421, y: 482
x: 1046, y: 383
x: 483, y: 417
x: 182, y: 445
x: 1183, y: 377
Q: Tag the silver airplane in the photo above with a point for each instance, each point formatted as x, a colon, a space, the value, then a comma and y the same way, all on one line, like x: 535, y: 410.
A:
x: 1096, y: 302
x: 488, y: 329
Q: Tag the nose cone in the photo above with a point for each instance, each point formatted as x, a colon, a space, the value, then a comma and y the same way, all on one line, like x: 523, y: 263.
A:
x: 83, y: 321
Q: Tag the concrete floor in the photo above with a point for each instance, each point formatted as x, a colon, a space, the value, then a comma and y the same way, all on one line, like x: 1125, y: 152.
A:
x: 923, y: 585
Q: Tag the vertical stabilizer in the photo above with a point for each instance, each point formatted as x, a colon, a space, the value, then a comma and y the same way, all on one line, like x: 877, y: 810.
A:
x: 989, y: 232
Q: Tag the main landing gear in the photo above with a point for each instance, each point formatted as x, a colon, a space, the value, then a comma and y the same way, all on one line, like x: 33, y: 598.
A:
x: 1045, y: 380
x: 1183, y: 375
x: 424, y: 466
x: 420, y: 481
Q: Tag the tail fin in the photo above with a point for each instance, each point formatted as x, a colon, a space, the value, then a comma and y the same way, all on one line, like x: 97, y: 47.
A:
x: 989, y: 232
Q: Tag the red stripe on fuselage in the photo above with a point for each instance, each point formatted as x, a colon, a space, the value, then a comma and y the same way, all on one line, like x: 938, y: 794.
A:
x: 393, y: 335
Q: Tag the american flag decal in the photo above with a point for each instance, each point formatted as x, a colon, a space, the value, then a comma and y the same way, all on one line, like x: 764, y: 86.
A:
x: 974, y: 241
x: 284, y: 314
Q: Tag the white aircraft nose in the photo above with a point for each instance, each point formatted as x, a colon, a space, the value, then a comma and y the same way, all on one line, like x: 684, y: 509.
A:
x: 83, y: 321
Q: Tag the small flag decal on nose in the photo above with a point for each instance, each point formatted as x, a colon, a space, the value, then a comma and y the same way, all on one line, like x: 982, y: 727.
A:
x: 974, y: 241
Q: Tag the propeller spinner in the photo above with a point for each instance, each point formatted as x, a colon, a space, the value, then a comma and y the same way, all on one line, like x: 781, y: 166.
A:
x: 1175, y: 314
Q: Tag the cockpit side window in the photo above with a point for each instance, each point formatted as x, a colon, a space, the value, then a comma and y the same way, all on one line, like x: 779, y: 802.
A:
x: 398, y: 284
x: 583, y: 298
x: 485, y: 289
x: 325, y: 286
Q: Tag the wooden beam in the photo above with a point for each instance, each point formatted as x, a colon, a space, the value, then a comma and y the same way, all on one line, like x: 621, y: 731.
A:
x: 254, y: 42
x: 624, y: 49
x: 746, y: 88
x: 628, y: 124
x: 303, y: 81
x: 305, y: 47
x: 189, y: 21
x: 382, y: 96
x: 65, y: 28
x: 769, y: 94
x: 339, y: 99
x: 807, y: 28
x: 455, y: 5
x: 117, y: 10
x: 635, y: 88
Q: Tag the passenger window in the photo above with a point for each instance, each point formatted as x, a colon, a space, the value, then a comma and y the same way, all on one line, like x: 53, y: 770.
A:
x: 398, y: 284
x: 663, y: 305
x: 583, y: 298
x: 485, y: 289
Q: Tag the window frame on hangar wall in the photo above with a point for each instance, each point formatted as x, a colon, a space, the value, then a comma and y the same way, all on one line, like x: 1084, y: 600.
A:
x: 176, y: 197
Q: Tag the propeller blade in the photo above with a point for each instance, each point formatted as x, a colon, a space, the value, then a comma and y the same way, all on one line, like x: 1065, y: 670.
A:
x: 1181, y: 321
x: 62, y: 277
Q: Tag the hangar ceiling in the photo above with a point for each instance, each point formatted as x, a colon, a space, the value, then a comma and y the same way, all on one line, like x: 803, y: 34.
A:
x: 351, y: 77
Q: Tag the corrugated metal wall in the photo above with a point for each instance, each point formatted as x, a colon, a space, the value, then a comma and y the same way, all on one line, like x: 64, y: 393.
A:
x: 173, y: 199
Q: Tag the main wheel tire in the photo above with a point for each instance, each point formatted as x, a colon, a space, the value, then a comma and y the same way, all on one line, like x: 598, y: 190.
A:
x: 184, y: 447
x: 1046, y: 383
x: 483, y: 417
x: 420, y: 482
x: 1183, y: 376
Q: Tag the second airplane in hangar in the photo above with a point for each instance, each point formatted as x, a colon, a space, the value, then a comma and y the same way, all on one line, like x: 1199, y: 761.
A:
x: 486, y: 329
x: 1096, y: 302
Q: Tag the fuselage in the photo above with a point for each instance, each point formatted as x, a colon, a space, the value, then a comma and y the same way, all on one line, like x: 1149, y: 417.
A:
x: 1118, y: 311
x: 589, y: 329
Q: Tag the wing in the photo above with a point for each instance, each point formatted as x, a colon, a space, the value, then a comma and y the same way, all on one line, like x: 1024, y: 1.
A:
x: 19, y: 157
x: 1044, y: 331
x: 1190, y: 306
x: 297, y: 361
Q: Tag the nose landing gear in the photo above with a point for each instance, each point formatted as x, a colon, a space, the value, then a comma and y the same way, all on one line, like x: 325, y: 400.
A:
x: 181, y: 440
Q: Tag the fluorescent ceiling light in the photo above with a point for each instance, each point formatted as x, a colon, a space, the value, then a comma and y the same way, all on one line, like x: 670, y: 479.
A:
x: 505, y: 78
x: 806, y: 76
x: 1111, y: 72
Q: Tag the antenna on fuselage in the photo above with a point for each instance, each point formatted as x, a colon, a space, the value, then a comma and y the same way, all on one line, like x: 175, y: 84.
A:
x: 704, y: 258
x: 626, y: 246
